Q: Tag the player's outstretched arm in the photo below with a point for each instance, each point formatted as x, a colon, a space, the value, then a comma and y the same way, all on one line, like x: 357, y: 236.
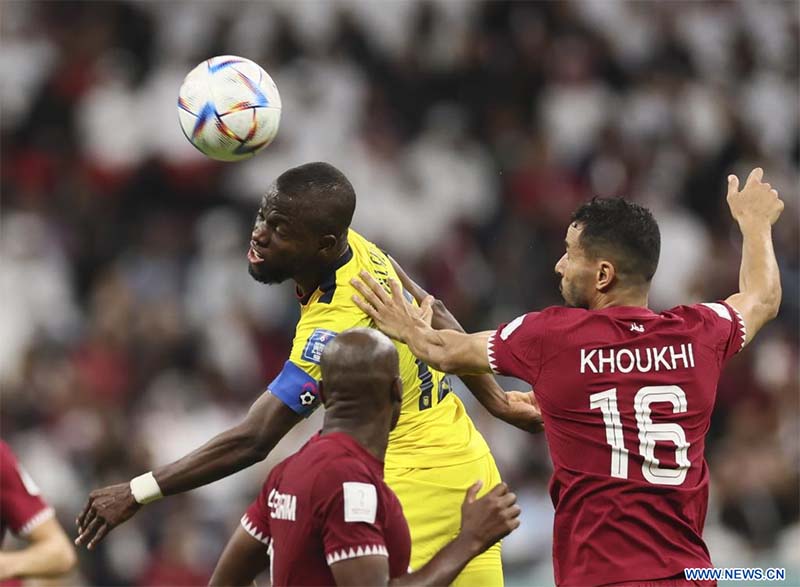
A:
x: 516, y: 408
x: 756, y: 208
x: 268, y: 420
x: 50, y: 553
x: 446, y: 350
x: 483, y: 522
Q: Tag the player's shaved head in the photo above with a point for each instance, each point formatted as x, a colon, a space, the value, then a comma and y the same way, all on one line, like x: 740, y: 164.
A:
x: 361, y: 386
x: 320, y: 196
x: 359, y: 360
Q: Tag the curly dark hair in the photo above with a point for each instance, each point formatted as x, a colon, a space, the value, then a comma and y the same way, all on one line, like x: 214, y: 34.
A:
x: 623, y: 231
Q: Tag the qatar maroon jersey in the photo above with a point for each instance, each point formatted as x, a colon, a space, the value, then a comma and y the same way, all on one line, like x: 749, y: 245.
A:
x: 324, y: 504
x: 626, y: 396
x: 21, y: 507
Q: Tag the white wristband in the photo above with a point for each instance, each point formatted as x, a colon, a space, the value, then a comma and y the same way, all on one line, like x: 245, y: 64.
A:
x: 145, y: 488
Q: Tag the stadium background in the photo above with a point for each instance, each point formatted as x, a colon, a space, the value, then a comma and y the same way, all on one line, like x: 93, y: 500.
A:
x: 131, y: 332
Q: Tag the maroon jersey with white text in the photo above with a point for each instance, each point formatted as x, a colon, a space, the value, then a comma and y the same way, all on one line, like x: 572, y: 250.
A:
x: 626, y: 396
x: 324, y: 504
x: 21, y: 506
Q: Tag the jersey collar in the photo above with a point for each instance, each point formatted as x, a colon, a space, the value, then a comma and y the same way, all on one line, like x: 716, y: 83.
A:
x: 328, y: 284
x: 354, y: 447
x: 627, y: 311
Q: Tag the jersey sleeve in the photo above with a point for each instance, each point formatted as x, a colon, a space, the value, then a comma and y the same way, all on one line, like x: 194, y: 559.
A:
x: 348, y: 509
x: 21, y: 505
x: 296, y: 385
x: 515, y: 348
x: 256, y: 519
x: 723, y: 328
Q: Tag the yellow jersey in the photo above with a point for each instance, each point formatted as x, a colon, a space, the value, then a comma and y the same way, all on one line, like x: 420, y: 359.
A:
x: 434, y: 429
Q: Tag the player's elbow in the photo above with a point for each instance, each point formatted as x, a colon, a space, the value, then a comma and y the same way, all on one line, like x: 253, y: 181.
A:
x: 66, y: 559
x: 774, y: 302
x: 448, y: 363
x: 61, y: 554
x: 769, y: 304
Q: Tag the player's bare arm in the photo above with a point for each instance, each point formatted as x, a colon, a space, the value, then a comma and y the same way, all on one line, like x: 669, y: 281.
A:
x: 243, y: 559
x: 756, y: 208
x: 514, y: 407
x: 447, y: 350
x: 49, y: 554
x: 268, y: 420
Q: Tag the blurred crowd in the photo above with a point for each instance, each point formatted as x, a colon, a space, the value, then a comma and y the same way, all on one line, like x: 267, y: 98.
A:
x: 131, y: 332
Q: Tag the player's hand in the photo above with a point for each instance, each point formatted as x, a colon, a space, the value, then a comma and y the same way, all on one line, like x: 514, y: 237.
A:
x: 486, y: 520
x: 392, y: 314
x: 524, y: 411
x: 106, y: 509
x: 757, y: 203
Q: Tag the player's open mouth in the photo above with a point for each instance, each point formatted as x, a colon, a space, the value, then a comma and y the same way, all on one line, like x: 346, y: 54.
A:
x: 253, y: 256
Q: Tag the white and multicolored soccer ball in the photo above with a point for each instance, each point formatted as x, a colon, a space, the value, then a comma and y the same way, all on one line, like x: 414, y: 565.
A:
x: 229, y: 108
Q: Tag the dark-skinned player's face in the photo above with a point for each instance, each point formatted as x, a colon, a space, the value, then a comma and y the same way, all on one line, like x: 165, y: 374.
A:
x: 577, y: 271
x: 280, y: 245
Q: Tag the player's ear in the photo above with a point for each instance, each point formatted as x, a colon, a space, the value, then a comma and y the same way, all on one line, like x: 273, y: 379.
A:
x: 396, y: 397
x: 321, y: 390
x: 606, y: 273
x: 397, y: 390
x: 328, y: 244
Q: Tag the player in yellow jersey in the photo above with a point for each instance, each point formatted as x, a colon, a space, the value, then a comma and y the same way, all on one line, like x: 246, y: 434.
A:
x: 302, y: 232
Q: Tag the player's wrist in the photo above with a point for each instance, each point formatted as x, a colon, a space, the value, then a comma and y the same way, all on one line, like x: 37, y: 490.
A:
x: 468, y: 544
x: 754, y: 225
x: 145, y: 489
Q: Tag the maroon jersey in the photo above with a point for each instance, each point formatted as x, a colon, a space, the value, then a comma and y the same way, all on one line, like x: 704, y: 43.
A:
x: 626, y: 396
x: 21, y: 507
x: 324, y: 504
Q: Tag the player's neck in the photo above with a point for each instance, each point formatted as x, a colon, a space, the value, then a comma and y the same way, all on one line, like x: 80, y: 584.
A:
x: 308, y: 282
x: 637, y: 299
x: 372, y: 437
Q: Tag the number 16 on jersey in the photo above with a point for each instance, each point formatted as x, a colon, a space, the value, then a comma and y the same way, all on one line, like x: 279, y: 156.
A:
x: 649, y: 433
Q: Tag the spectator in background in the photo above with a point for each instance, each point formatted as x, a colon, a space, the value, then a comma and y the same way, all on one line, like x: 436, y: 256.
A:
x: 99, y: 306
x: 26, y: 514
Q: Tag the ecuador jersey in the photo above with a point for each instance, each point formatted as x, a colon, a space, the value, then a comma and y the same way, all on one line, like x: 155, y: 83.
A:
x: 434, y: 429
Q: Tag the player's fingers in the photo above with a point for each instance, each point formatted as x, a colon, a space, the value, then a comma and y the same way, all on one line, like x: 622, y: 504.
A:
x: 101, y: 533
x: 397, y: 290
x: 774, y: 192
x: 376, y: 287
x: 733, y: 185
x: 366, y: 292
x: 499, y: 489
x: 88, y: 517
x: 513, y: 512
x: 82, y: 515
x: 427, y: 309
x: 507, y: 500
x: 366, y: 307
x: 89, y: 531
x: 472, y: 492
x: 755, y: 176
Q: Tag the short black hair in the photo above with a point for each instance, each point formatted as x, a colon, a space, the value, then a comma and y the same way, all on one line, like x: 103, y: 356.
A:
x: 325, y: 197
x: 623, y: 230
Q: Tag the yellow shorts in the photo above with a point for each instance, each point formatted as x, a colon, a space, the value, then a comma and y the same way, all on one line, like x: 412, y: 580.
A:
x: 431, y: 500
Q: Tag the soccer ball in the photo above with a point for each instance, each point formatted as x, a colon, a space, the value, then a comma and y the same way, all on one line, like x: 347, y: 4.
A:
x: 229, y: 108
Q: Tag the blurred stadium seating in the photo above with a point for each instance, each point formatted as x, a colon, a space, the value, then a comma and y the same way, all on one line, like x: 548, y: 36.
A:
x: 131, y: 332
